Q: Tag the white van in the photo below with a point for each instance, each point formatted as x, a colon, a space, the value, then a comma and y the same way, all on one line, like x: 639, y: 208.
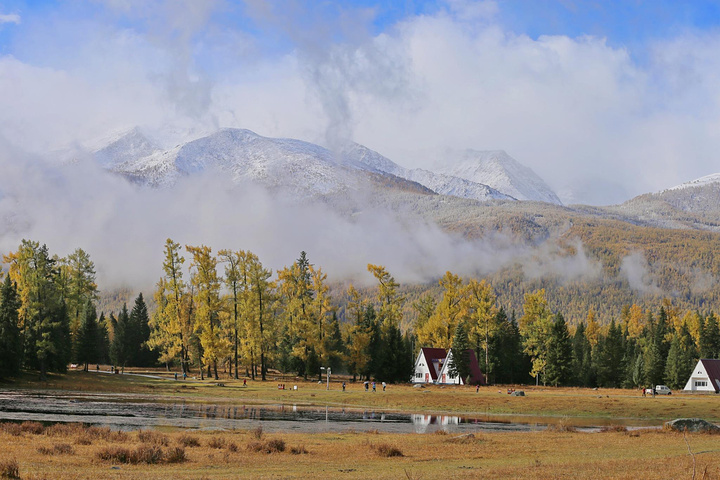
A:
x: 662, y: 390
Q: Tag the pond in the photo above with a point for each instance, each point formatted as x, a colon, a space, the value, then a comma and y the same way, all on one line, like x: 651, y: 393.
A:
x: 128, y: 412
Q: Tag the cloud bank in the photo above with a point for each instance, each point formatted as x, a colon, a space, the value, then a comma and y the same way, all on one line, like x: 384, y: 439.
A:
x: 595, y: 122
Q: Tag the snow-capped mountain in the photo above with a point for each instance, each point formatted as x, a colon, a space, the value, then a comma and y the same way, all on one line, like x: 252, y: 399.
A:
x: 243, y: 155
x: 363, y: 157
x: 699, y: 182
x: 123, y: 147
x: 500, y: 171
x: 301, y: 167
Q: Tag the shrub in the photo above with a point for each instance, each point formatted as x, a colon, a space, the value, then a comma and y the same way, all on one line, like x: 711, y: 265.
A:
x: 561, y: 427
x: 13, y: 429
x: 155, y: 438
x: 613, y: 428
x: 188, y: 441
x: 175, y: 455
x: 257, y: 433
x: 149, y: 454
x: 83, y: 440
x: 271, y: 446
x: 386, y: 450
x: 298, y: 450
x: 232, y: 447
x: 276, y: 445
x: 9, y: 469
x: 216, y: 442
x: 35, y: 428
x: 58, y: 449
x: 114, y: 454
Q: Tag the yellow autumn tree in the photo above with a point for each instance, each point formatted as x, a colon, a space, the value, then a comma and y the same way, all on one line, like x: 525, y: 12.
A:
x: 535, y: 327
x: 439, y: 329
x: 482, y: 316
x: 206, y: 292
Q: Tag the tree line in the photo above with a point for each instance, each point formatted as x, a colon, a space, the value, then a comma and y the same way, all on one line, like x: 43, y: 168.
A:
x: 225, y: 313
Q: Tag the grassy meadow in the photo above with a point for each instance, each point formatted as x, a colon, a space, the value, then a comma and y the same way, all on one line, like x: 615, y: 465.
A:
x: 35, y: 451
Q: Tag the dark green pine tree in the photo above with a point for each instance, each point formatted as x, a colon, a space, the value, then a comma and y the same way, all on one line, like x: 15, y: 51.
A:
x: 582, y: 360
x: 681, y: 358
x: 103, y: 342
x: 657, y: 351
x: 558, y: 369
x: 334, y: 344
x: 376, y: 352
x: 674, y: 361
x: 460, y: 366
x: 60, y: 339
x: 138, y: 334
x: 87, y: 343
x: 118, y: 345
x: 610, y: 367
x: 10, y: 343
x: 393, y: 365
x: 513, y: 365
x: 710, y: 338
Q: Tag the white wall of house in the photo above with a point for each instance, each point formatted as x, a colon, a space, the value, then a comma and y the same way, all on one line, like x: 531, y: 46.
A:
x: 699, y: 380
x: 444, y: 377
x: 422, y: 370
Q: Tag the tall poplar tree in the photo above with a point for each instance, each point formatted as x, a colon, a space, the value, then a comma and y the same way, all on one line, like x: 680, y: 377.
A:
x: 172, y: 323
x: 207, y: 306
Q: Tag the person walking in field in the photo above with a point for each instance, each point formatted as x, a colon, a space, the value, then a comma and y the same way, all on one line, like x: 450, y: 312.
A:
x: 373, y: 387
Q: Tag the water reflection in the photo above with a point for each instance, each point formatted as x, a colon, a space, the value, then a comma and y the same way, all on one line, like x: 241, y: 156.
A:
x: 127, y: 412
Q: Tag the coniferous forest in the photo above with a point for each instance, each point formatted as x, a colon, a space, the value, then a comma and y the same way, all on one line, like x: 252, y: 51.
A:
x: 225, y: 314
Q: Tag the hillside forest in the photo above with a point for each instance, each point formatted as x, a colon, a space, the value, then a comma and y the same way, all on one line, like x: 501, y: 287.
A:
x: 224, y: 314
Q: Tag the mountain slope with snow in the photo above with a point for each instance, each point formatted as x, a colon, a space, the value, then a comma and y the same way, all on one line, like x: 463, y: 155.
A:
x: 127, y: 146
x: 297, y: 166
x: 500, y: 171
x: 363, y: 157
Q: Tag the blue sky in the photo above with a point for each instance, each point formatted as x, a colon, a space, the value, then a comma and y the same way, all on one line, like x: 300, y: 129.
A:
x: 628, y: 23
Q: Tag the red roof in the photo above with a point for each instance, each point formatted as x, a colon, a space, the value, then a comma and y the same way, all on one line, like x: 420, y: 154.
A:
x: 476, y: 376
x: 712, y: 368
x: 431, y: 356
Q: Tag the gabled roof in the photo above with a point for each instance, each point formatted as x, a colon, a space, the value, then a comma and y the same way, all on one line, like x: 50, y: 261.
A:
x: 431, y: 355
x: 476, y: 376
x: 712, y: 368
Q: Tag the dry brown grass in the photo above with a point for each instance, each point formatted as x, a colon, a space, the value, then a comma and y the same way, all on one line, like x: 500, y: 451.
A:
x: 523, y: 455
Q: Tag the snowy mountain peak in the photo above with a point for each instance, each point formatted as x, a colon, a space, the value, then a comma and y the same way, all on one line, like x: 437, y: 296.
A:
x: 120, y: 148
x: 699, y: 182
x: 500, y: 171
x: 362, y: 157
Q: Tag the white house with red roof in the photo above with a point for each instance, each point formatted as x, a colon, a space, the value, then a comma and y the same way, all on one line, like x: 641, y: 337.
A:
x: 428, y: 364
x: 705, y: 377
x: 433, y: 366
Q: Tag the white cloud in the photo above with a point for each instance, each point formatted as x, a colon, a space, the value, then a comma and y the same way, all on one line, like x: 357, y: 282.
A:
x: 589, y: 118
x: 10, y: 18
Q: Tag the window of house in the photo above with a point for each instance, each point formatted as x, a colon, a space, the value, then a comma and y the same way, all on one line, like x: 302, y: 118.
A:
x: 418, y: 375
x: 700, y: 383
